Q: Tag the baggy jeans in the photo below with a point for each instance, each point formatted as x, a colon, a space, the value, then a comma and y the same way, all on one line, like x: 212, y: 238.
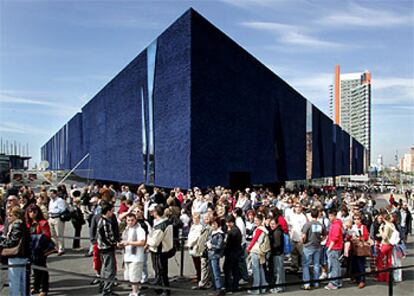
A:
x: 311, y: 255
x: 334, y: 267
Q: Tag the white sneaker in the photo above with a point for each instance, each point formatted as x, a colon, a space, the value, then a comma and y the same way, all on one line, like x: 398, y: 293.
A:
x: 323, y: 276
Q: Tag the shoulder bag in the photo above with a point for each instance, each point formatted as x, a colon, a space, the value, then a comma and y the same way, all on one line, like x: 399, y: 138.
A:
x: 13, y: 251
x: 361, y: 248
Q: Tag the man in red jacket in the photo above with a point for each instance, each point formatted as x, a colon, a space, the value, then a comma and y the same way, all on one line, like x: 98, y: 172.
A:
x: 335, y: 244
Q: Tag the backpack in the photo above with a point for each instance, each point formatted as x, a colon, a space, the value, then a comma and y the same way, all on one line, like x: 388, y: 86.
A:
x: 264, y: 247
x: 395, y: 238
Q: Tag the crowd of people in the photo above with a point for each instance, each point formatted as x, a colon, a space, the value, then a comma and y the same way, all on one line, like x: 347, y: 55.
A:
x: 257, y: 233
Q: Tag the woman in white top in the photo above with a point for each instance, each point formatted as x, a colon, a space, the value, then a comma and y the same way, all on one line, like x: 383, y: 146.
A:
x: 192, y: 244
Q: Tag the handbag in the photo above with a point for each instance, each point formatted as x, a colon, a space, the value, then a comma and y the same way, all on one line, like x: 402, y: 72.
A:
x: 66, y: 215
x: 361, y: 248
x: 13, y: 251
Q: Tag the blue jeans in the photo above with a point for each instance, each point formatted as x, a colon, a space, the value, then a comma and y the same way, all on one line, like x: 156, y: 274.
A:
x: 259, y: 277
x: 334, y: 266
x: 324, y: 256
x: 215, y: 268
x: 311, y: 255
x: 279, y: 271
x: 18, y: 277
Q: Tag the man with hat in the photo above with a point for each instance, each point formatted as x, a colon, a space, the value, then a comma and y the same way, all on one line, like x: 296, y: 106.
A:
x: 151, y: 217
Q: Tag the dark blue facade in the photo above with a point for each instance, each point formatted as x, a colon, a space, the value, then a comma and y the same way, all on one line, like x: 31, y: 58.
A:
x: 323, y: 145
x: 357, y: 157
x: 241, y: 119
x: 196, y: 109
x: 346, y: 153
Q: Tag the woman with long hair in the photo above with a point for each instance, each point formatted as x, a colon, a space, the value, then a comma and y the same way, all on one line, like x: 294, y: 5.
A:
x: 250, y: 225
x: 397, y: 252
x: 385, y: 233
x: 359, y: 232
x: 16, y: 244
x: 41, y: 237
x: 258, y: 258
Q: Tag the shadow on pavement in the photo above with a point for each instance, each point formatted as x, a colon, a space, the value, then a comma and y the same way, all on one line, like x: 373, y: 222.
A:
x: 408, y: 275
x: 79, y: 287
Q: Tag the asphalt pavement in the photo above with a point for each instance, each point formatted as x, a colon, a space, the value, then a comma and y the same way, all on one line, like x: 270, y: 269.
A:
x: 76, y: 262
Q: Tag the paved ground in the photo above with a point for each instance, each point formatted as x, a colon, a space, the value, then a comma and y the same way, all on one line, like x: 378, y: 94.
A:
x: 62, y: 284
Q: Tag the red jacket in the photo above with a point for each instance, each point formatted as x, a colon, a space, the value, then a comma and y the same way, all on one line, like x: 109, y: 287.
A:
x: 256, y: 234
x: 180, y: 197
x: 283, y: 224
x: 122, y: 208
x: 335, y: 235
x: 40, y: 228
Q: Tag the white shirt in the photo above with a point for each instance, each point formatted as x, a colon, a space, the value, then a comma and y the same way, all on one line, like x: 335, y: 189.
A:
x: 253, y: 197
x: 356, y: 231
x: 185, y: 219
x: 57, y: 206
x: 288, y: 212
x: 296, y: 223
x: 199, y: 206
x: 140, y: 236
x: 240, y: 203
x: 240, y: 225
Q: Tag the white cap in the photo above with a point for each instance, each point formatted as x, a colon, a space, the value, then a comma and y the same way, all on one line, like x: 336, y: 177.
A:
x: 152, y: 207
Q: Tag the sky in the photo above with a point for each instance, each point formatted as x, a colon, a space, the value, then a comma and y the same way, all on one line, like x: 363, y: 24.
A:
x: 56, y: 55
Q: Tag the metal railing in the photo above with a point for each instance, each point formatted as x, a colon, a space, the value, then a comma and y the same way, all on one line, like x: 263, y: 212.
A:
x: 390, y: 271
x: 181, y: 241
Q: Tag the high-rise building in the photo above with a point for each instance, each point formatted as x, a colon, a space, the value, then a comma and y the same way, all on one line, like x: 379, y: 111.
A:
x: 380, y: 162
x: 407, y: 162
x: 350, y: 106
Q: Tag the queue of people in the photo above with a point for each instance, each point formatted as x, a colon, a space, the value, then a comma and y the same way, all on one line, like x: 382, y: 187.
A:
x: 255, y: 232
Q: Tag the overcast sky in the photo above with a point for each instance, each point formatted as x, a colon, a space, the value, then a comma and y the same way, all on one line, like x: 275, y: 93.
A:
x: 55, y: 56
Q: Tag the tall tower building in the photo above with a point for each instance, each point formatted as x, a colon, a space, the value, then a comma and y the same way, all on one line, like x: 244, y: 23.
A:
x: 350, y: 106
